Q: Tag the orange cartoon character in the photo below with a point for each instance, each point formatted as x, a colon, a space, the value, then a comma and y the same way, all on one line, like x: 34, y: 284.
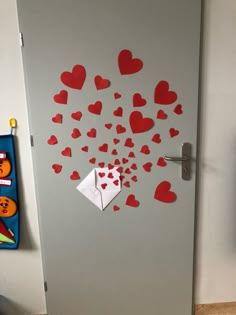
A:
x: 7, y: 207
x: 5, y: 167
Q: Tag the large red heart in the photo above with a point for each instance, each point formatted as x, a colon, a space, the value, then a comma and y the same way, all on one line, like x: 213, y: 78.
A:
x: 57, y: 119
x: 66, y: 152
x: 162, y: 94
x: 138, y: 100
x: 131, y: 201
x: 57, y: 168
x: 139, y: 124
x: 164, y: 194
x: 61, y: 97
x: 95, y: 108
x: 52, y: 140
x: 74, y: 79
x: 101, y: 83
x: 127, y: 64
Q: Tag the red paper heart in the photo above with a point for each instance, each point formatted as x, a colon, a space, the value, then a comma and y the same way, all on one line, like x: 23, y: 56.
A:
x: 129, y: 143
x: 92, y: 160
x: 57, y: 168
x: 161, y: 114
x: 127, y: 171
x: 110, y: 166
x: 95, y: 108
x: 120, y: 129
x: 173, y: 132
x: 139, y: 124
x: 134, y: 178
x: 147, y: 167
x: 127, y: 64
x: 161, y: 162
x: 115, y: 140
x: 127, y: 184
x: 124, y: 161
x: 134, y: 166
x: 75, y: 133
x: 116, y: 182
x: 76, y: 115
x: 114, y: 152
x: 108, y: 126
x: 156, y: 138
x: 85, y: 148
x: 101, y: 174
x: 75, y: 175
x: 131, y: 201
x: 101, y: 83
x: 138, y: 100
x: 131, y: 155
x: 67, y: 152
x: 110, y: 175
x: 164, y: 194
x: 117, y: 162
x: 117, y: 95
x: 118, y: 112
x: 92, y: 133
x: 122, y: 177
x: 119, y: 169
x: 74, y: 79
x: 116, y: 208
x: 52, y: 140
x: 178, y: 109
x: 162, y: 94
x: 145, y: 149
x: 103, y: 148
x: 61, y: 97
x: 57, y: 119
x: 101, y: 164
x: 104, y: 186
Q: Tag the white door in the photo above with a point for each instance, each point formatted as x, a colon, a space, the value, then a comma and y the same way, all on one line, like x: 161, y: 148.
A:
x: 112, y: 89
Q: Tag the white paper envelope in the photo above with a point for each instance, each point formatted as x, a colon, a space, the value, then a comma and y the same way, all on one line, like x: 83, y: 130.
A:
x: 101, y: 186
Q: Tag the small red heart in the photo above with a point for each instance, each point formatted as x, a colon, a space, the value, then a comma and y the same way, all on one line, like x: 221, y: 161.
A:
x: 116, y: 208
x: 85, y: 148
x: 147, y: 166
x: 134, y: 166
x: 57, y: 168
x: 103, y: 148
x: 126, y: 184
x: 117, y: 95
x: 122, y: 177
x: 120, y: 129
x: 117, y: 162
x: 101, y: 83
x: 110, y: 166
x: 95, y: 108
x: 161, y: 162
x: 67, y: 152
x: 114, y: 152
x: 139, y: 124
x: 76, y: 115
x: 127, y: 171
x: 138, y: 100
x: 116, y: 182
x: 119, y: 169
x: 118, y: 112
x: 161, y: 114
x: 92, y: 160
x: 134, y: 178
x: 131, y: 155
x: 178, y: 109
x: 74, y: 175
x: 57, y: 119
x: 124, y: 161
x: 127, y: 64
x: 131, y: 201
x: 61, y: 98
x: 108, y: 126
x: 164, y: 194
x: 173, y: 132
x: 110, y: 175
x: 162, y: 95
x: 101, y: 164
x: 104, y: 186
x: 101, y: 174
x: 156, y: 138
x: 145, y: 149
x: 115, y: 140
x: 74, y: 79
x: 52, y: 140
x: 129, y: 143
x: 92, y: 133
x: 75, y: 133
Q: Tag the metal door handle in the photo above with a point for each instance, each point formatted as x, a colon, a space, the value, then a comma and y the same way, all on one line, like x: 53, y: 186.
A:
x: 185, y: 159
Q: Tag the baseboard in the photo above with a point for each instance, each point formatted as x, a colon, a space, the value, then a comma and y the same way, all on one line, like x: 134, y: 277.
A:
x: 216, y: 309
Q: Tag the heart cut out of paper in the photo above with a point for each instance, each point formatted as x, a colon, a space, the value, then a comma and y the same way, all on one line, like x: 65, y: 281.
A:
x: 117, y: 95
x: 128, y: 64
x: 147, y: 166
x: 75, y: 176
x: 173, y: 132
x: 76, y: 115
x: 108, y: 126
x: 75, y: 133
x: 61, y: 97
x: 92, y: 133
x: 138, y: 100
x: 156, y: 138
x: 116, y: 208
x: 138, y: 124
x: 162, y: 95
x: 67, y: 152
x: 74, y: 79
x: 118, y: 112
x: 101, y: 83
x: 95, y: 108
x: 57, y: 119
x: 161, y: 114
x: 145, y: 149
x: 52, y: 140
x: 103, y: 148
x: 129, y: 143
x: 57, y: 168
x: 178, y: 109
x: 164, y: 194
x: 131, y: 201
x: 161, y: 162
x: 92, y: 160
x: 120, y: 129
x: 116, y: 141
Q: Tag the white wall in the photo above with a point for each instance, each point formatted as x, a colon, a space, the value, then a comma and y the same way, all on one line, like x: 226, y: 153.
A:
x: 21, y: 278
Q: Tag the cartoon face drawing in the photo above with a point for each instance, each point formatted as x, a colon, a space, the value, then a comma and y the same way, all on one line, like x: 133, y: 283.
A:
x: 5, y: 168
x: 7, y: 207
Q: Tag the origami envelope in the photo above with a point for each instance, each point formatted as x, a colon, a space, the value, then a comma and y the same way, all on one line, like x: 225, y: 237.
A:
x: 101, y: 186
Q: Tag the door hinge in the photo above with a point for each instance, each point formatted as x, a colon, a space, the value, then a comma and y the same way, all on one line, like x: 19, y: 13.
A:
x: 21, y: 39
x: 45, y: 286
x: 31, y: 140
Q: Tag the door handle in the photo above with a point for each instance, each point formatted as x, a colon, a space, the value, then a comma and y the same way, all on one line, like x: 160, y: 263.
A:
x: 185, y: 159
